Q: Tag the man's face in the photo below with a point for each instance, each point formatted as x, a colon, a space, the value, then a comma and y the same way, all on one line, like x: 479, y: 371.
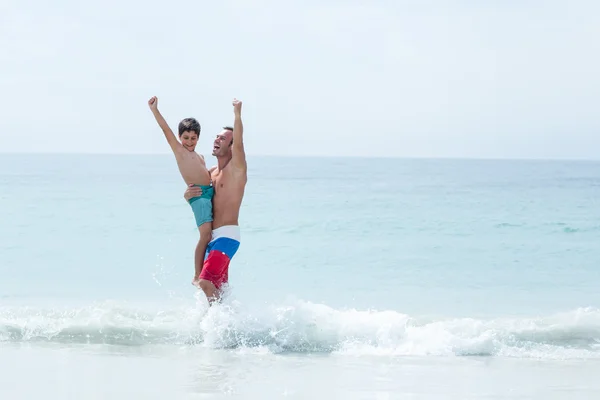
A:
x: 189, y: 139
x: 222, y: 143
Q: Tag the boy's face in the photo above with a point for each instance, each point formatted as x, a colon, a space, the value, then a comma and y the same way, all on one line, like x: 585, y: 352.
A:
x: 189, y: 140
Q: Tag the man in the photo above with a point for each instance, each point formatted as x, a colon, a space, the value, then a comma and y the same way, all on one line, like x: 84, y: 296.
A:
x: 229, y: 179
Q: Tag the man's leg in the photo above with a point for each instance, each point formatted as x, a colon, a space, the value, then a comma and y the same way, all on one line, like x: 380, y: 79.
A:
x: 214, y: 273
x: 210, y: 290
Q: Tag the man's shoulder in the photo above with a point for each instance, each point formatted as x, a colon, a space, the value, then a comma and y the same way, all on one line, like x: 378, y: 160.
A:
x: 237, y: 173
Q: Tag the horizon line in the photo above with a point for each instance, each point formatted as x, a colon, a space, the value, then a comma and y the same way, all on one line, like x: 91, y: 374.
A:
x: 398, y: 157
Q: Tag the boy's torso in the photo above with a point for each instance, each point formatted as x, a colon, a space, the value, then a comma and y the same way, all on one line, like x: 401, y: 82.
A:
x: 192, y: 168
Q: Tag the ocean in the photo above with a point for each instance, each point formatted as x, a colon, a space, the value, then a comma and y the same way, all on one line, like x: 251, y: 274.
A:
x: 356, y: 278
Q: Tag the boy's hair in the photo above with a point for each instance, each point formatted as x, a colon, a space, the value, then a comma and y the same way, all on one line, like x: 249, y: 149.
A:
x: 229, y: 128
x: 189, y: 124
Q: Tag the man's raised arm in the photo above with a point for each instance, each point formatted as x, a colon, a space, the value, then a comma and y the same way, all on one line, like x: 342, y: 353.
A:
x: 238, y: 153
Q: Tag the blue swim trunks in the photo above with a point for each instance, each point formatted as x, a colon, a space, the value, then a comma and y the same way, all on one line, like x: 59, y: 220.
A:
x: 202, y: 205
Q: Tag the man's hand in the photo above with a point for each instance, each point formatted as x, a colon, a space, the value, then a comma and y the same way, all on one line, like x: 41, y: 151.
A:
x: 192, y: 191
x: 153, y: 103
x: 237, y: 107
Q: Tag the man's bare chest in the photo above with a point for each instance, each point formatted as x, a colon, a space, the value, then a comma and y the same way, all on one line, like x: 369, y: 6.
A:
x: 221, y: 181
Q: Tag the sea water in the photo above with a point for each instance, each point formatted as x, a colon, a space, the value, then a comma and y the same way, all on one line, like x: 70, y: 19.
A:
x: 356, y: 279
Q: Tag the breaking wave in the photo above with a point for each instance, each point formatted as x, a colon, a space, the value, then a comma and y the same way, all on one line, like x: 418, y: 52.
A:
x: 304, y: 327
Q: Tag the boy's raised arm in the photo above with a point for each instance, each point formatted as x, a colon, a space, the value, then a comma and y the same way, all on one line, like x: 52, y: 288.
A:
x: 169, y: 135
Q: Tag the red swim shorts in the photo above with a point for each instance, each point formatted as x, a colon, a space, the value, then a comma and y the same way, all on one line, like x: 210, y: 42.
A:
x: 219, y: 252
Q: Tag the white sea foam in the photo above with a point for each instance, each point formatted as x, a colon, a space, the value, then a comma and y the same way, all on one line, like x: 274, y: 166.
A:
x: 305, y: 327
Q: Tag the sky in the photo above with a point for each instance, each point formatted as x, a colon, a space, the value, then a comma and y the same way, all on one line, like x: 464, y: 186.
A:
x: 379, y: 78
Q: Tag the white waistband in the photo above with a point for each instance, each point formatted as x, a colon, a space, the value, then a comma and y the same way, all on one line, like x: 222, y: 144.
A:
x: 228, y: 231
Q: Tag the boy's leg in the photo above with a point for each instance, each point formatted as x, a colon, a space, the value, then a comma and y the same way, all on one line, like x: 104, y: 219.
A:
x: 205, y: 235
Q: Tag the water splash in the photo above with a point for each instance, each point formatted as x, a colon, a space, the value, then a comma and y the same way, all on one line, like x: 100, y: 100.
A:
x: 304, y: 327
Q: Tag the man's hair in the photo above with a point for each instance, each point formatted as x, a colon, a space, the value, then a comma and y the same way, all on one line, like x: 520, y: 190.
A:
x: 189, y: 124
x: 229, y: 128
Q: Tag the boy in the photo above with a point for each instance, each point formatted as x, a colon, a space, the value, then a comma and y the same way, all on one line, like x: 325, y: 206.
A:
x: 194, y: 172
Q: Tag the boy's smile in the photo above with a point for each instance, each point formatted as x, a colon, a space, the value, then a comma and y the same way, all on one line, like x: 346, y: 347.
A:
x: 189, y: 140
